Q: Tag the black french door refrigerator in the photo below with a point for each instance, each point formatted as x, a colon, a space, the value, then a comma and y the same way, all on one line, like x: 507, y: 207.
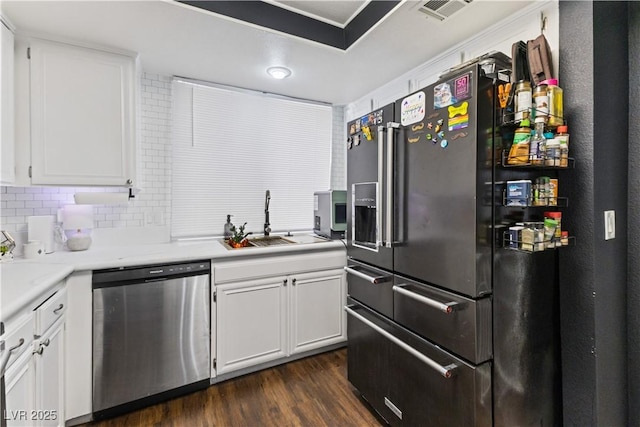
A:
x: 445, y: 326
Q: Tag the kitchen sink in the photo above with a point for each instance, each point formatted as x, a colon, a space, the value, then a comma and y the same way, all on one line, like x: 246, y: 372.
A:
x: 263, y: 242
x: 269, y: 241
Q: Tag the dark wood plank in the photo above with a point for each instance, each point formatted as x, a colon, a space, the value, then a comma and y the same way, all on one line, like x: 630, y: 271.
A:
x: 309, y: 392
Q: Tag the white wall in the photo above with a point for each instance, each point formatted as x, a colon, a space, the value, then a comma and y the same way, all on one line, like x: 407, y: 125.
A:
x: 499, y: 37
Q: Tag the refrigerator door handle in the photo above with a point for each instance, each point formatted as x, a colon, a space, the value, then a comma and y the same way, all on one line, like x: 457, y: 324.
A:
x: 371, y: 279
x: 379, y: 237
x: 389, y: 202
x: 445, y: 371
x: 447, y: 307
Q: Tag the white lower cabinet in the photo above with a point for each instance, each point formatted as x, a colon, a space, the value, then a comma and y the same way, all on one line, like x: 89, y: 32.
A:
x: 251, y: 323
x: 20, y: 380
x: 35, y: 379
x: 271, y: 308
x: 317, y: 313
x: 49, y: 376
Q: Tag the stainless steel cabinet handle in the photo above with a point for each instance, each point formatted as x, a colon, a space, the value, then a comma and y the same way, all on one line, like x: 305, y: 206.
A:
x: 379, y: 237
x: 60, y: 307
x: 371, y: 279
x: 445, y: 371
x: 389, y: 208
x: 293, y: 282
x: 46, y: 342
x: 5, y: 357
x: 447, y: 307
x: 39, y: 351
x: 284, y: 282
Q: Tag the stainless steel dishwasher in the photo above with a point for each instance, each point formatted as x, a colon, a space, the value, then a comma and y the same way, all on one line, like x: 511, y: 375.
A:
x: 151, y: 335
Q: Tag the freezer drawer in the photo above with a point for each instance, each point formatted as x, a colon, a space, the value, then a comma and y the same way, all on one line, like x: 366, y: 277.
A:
x: 421, y: 384
x: 461, y: 325
x: 370, y: 286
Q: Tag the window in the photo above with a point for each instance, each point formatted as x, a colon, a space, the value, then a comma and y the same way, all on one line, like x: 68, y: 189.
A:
x: 230, y: 146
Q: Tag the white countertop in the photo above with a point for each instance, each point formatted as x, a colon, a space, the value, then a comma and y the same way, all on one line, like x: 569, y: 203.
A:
x: 23, y: 281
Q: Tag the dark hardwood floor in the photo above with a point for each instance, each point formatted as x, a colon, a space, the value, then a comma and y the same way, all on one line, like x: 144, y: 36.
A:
x: 309, y: 392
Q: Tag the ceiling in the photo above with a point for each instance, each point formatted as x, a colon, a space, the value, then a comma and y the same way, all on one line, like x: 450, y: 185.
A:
x: 338, y: 13
x: 172, y: 38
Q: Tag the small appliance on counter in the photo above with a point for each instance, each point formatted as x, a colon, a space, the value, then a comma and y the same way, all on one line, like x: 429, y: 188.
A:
x: 77, y: 222
x: 330, y: 213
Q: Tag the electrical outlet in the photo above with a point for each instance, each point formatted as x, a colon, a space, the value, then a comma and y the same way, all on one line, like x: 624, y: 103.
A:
x: 609, y: 225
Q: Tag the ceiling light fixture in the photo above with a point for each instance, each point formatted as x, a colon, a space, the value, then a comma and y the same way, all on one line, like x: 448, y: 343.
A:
x: 279, y: 72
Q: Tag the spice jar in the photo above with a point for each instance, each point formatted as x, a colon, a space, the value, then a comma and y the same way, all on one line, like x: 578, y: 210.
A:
x: 557, y: 216
x: 552, y: 152
x: 541, y: 103
x: 522, y: 101
x: 563, y: 137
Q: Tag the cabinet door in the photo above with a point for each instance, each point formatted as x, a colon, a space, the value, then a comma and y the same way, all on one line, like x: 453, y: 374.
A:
x: 82, y: 116
x: 20, y: 391
x: 7, y: 168
x: 317, y: 310
x: 251, y: 323
x: 49, y: 366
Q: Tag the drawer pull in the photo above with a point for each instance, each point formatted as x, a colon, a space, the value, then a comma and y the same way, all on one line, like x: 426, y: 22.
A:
x: 447, y: 307
x: 46, y: 342
x: 5, y: 357
x: 371, y: 279
x: 445, y: 371
x: 60, y: 307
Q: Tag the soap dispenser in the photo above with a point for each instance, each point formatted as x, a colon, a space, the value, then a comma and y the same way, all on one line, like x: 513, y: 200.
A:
x: 227, y: 227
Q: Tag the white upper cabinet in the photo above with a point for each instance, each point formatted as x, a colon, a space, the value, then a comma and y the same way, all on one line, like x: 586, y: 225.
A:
x: 82, y: 116
x: 7, y: 168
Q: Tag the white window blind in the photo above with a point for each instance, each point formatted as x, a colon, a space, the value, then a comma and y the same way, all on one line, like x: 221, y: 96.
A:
x: 230, y: 146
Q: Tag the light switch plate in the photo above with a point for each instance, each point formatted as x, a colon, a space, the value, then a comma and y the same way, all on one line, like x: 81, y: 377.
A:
x: 609, y: 225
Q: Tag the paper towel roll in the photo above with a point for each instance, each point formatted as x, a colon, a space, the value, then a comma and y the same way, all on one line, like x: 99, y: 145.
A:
x: 100, y: 198
x: 40, y: 228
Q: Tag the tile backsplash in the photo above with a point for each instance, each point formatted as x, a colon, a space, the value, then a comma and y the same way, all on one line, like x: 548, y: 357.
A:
x: 151, y: 207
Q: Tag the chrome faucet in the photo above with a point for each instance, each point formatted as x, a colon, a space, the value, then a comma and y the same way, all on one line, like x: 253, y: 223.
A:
x: 267, y: 198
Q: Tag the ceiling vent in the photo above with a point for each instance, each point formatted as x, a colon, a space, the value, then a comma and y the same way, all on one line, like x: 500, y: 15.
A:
x: 442, y: 9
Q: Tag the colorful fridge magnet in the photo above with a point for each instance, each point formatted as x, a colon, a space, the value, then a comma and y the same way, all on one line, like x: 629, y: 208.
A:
x: 366, y: 131
x: 444, y: 143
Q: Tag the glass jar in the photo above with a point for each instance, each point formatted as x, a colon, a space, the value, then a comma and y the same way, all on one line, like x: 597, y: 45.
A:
x: 522, y: 101
x: 563, y: 137
x: 554, y: 93
x: 541, y: 103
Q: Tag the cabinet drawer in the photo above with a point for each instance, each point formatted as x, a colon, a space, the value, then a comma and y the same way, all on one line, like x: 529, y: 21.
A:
x: 461, y: 325
x: 19, y: 336
x: 50, y: 311
x: 370, y: 286
x: 282, y: 265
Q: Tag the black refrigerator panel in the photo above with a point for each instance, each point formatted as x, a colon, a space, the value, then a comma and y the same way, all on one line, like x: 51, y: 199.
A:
x: 526, y: 339
x: 411, y: 382
x: 461, y: 325
x: 367, y: 169
x: 444, y: 153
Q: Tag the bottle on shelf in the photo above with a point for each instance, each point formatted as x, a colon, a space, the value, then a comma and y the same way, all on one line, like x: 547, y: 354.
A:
x: 554, y: 94
x: 563, y: 137
x: 537, y: 147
